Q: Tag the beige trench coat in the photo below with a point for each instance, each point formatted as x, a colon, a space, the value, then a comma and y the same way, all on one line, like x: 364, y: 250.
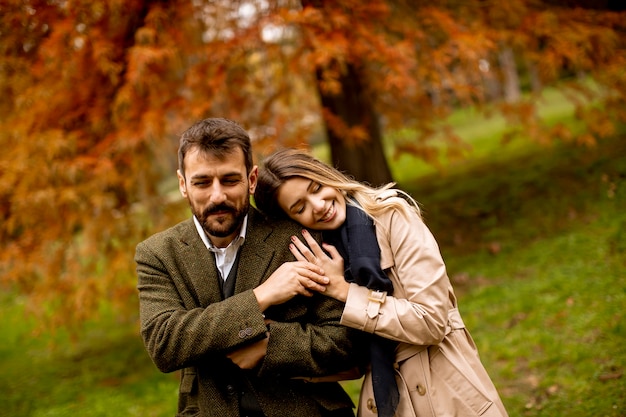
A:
x: 439, y: 372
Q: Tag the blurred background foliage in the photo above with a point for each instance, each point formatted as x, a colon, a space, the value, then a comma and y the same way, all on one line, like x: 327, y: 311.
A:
x: 505, y: 119
x: 95, y: 94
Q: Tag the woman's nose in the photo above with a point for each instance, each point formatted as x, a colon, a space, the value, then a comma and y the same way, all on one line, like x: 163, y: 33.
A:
x: 318, y: 205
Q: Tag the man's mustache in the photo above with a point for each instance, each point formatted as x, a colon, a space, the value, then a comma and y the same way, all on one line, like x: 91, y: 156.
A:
x: 216, y: 208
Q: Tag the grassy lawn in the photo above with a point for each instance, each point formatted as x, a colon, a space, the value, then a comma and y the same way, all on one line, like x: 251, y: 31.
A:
x: 105, y: 373
x: 482, y: 136
x: 536, y: 248
x: 535, y: 243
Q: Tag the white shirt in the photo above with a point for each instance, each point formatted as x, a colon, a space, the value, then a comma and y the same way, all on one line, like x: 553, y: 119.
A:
x: 224, y: 257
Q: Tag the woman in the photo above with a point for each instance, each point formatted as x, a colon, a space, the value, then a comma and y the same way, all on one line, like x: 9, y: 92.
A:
x: 395, y: 288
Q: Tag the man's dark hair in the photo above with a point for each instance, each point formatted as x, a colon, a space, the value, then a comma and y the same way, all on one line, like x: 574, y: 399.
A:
x: 215, y: 136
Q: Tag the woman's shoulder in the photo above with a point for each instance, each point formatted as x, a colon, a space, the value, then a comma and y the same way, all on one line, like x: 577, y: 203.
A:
x: 395, y: 202
x: 387, y: 194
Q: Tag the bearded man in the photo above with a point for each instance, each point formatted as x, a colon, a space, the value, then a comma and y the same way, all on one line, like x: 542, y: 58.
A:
x: 223, y: 300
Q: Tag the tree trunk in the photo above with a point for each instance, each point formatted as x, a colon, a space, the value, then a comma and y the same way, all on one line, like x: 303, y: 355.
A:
x: 365, y: 160
x: 509, y: 72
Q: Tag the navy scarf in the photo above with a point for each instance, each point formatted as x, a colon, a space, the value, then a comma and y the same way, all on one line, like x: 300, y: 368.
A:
x: 356, y: 242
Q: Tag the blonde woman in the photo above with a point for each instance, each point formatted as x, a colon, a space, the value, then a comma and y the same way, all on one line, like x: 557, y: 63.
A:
x: 385, y: 265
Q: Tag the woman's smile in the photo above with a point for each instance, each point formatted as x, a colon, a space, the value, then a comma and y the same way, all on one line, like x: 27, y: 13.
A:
x: 311, y: 204
x: 330, y: 213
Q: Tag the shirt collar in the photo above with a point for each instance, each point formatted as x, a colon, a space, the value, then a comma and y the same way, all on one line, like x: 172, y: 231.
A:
x: 237, y: 241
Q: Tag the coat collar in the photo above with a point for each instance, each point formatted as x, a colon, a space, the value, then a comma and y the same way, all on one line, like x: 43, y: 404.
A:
x: 383, y: 223
x: 198, y: 263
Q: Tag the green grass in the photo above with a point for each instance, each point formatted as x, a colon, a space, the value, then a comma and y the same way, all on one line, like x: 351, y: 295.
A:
x: 535, y: 243
x: 536, y: 247
x: 482, y: 134
x: 104, y: 373
x: 551, y: 327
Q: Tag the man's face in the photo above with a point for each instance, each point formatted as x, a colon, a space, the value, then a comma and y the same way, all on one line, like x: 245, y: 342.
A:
x: 218, y: 191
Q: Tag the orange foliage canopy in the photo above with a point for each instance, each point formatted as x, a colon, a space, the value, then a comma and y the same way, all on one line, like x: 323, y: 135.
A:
x: 95, y: 93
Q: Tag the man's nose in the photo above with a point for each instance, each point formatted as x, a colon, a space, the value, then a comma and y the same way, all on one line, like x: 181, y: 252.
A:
x: 217, y: 195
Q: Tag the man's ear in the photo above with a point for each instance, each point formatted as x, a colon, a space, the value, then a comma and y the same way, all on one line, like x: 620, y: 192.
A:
x: 182, y: 186
x: 253, y: 176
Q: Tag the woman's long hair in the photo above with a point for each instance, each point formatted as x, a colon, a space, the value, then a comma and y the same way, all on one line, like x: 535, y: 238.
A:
x: 289, y: 163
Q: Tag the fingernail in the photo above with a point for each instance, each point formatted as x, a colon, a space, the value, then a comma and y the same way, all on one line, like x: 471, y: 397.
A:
x: 305, y: 232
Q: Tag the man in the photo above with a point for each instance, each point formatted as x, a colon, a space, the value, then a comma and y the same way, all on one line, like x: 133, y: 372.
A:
x: 223, y: 300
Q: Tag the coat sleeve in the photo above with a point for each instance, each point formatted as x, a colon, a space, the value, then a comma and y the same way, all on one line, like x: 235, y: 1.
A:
x: 177, y: 332
x: 306, y: 338
x: 316, y: 345
x: 417, y: 313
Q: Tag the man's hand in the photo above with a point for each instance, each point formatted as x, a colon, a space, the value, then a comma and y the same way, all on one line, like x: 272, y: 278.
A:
x: 249, y: 356
x: 289, y: 280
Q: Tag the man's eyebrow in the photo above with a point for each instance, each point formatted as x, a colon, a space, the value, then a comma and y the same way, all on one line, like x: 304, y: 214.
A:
x: 308, y: 189
x: 200, y: 176
x: 233, y: 174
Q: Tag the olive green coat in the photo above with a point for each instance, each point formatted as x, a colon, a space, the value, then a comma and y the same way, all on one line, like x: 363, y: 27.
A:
x: 186, y: 325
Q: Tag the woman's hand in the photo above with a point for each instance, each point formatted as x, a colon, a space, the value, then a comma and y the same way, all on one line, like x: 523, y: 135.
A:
x: 330, y: 261
x: 290, y: 279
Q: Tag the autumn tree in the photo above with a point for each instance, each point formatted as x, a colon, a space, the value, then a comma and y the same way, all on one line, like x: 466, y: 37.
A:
x: 81, y: 135
x: 96, y: 92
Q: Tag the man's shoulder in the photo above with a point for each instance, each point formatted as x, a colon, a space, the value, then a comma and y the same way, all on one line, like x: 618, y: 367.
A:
x: 272, y: 228
x: 177, y: 232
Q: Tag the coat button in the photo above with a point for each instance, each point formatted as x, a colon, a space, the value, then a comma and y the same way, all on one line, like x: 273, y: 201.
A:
x: 243, y: 333
x: 230, y: 389
x: 371, y: 405
x: 421, y: 390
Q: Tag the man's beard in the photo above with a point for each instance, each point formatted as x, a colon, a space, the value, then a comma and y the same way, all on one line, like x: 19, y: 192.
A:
x: 226, y: 224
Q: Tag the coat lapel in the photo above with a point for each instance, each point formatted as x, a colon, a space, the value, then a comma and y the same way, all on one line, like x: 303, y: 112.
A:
x: 198, y: 267
x: 198, y: 263
x: 386, y: 254
x: 256, y: 254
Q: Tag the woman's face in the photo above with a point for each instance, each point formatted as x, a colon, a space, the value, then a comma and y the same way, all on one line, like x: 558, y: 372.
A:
x: 311, y: 204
